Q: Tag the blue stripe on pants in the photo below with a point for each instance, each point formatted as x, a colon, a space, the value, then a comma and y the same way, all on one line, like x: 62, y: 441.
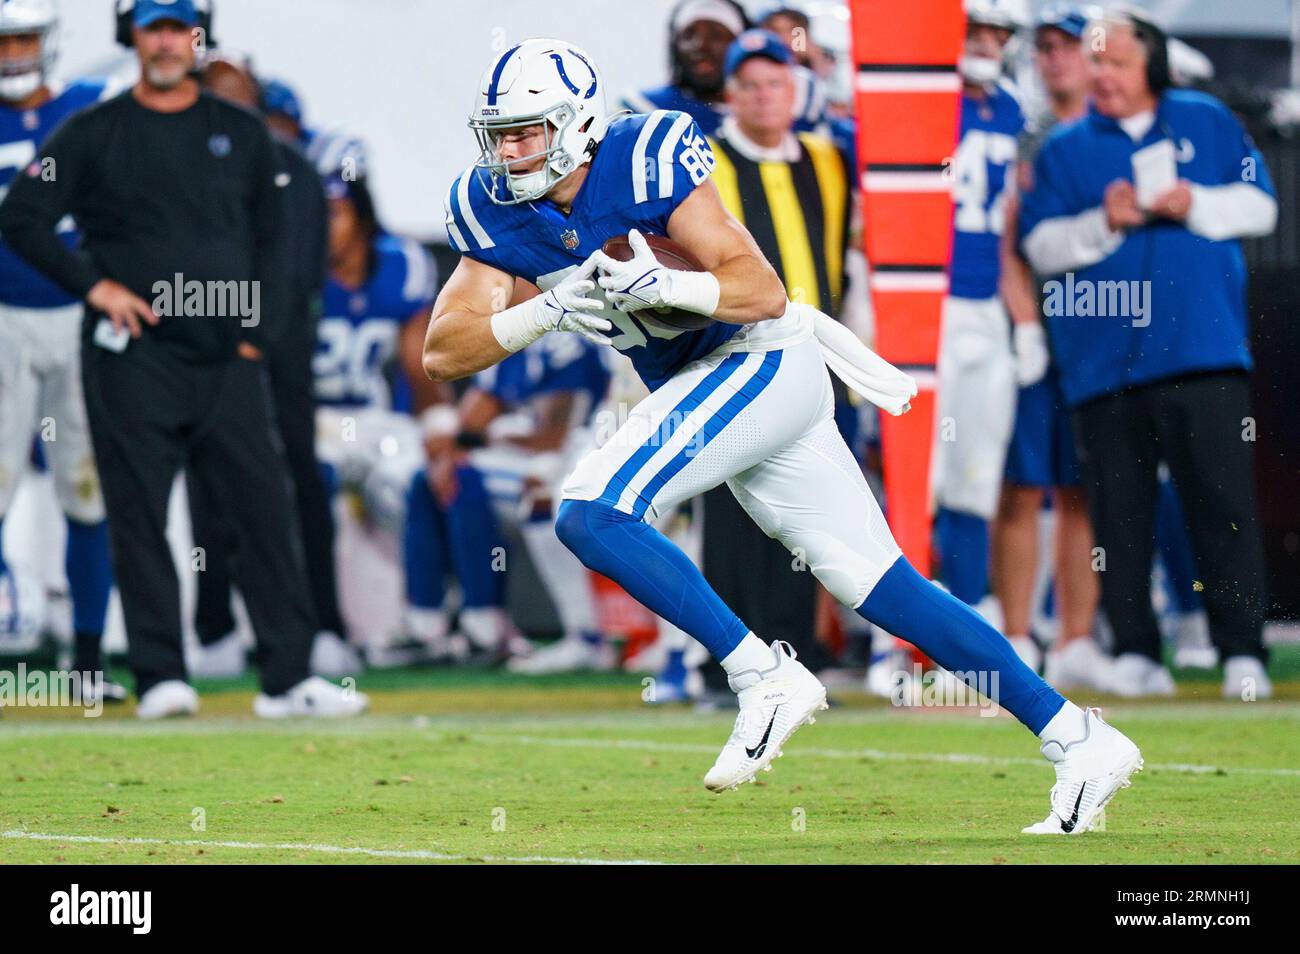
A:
x: 712, y: 427
x: 664, y: 432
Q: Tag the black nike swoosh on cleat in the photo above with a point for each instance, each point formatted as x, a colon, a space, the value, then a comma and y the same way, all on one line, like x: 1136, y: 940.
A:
x: 759, y: 749
x: 1068, y: 826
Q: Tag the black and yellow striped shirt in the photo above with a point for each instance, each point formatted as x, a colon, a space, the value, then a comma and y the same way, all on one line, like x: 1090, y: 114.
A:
x: 797, y: 211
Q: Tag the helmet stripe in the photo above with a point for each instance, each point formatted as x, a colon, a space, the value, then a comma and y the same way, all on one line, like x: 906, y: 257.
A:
x: 496, y: 75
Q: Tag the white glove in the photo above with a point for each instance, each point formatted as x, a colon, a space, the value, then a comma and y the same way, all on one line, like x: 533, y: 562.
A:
x: 565, y: 307
x: 641, y: 282
x: 1032, y: 356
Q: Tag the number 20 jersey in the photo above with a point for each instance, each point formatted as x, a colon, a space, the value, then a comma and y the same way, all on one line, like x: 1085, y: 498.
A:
x: 645, y: 167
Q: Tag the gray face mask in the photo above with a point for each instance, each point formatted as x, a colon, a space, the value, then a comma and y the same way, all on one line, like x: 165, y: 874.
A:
x: 18, y: 86
x: 981, y: 70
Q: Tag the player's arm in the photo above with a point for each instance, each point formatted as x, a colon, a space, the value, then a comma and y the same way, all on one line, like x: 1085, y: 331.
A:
x: 425, y: 392
x: 1016, y: 285
x: 554, y: 415
x: 459, y: 341
x: 472, y: 328
x: 1016, y: 282
x: 748, y: 287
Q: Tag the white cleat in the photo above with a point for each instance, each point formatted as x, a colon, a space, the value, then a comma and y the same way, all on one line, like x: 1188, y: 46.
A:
x: 774, y: 703
x: 313, y: 697
x: 166, y: 699
x: 1245, y: 678
x: 1079, y: 664
x: 570, y: 654
x: 222, y: 659
x: 1135, y: 675
x: 1193, y: 648
x: 333, y: 658
x: 1089, y: 771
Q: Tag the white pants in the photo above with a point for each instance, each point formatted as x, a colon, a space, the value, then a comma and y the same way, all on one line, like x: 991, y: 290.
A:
x: 762, y: 422
x: 40, y: 394
x: 975, y: 407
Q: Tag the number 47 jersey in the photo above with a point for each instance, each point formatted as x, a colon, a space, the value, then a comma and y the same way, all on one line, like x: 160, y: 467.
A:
x: 645, y: 167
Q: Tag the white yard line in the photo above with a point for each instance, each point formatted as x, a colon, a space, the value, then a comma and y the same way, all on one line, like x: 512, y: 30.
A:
x: 880, y: 755
x: 319, y: 849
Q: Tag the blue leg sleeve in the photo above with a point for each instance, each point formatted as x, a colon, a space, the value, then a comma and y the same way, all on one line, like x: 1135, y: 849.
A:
x: 956, y: 637
x: 653, y: 570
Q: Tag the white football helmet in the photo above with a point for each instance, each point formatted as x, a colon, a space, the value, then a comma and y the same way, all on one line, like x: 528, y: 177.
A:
x: 1010, y: 15
x: 544, y: 81
x: 20, y: 78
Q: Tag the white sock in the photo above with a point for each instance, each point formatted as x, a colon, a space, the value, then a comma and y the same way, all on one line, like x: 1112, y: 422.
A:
x: 1064, y: 727
x: 752, y: 653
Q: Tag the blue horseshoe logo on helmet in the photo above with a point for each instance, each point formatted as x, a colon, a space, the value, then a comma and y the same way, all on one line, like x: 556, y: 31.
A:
x: 564, y: 77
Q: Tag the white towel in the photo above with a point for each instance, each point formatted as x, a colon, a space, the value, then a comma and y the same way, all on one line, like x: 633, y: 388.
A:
x: 861, y: 368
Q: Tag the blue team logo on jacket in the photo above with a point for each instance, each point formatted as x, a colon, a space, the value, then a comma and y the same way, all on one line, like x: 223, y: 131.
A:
x: 219, y: 145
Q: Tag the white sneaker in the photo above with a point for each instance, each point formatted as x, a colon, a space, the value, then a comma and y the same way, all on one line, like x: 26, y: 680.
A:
x: 1245, y: 678
x: 1089, y: 771
x: 1079, y: 664
x: 1027, y: 650
x: 224, y: 659
x: 570, y: 654
x: 491, y: 629
x: 168, y: 698
x: 650, y: 658
x: 1135, y: 675
x: 332, y: 657
x: 890, y: 677
x: 1192, y: 646
x: 773, y: 704
x: 312, y: 697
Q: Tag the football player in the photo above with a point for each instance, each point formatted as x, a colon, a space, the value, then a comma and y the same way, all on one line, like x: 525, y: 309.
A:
x: 744, y: 399
x: 699, y: 33
x: 378, y: 285
x: 976, y: 371
x: 40, y: 377
x: 516, y: 433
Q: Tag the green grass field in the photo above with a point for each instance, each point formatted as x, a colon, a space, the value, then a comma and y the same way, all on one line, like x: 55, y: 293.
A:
x: 480, y: 766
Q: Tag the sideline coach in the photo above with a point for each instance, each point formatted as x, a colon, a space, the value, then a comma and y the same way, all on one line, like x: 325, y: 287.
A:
x: 1168, y: 380
x: 176, y: 193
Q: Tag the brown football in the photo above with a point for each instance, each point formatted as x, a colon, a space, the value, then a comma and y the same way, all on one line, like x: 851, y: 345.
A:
x: 670, y: 255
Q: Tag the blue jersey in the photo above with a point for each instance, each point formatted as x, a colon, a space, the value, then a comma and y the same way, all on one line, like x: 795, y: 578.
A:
x: 556, y: 362
x: 359, y: 327
x: 986, y: 157
x: 708, y: 116
x: 645, y: 167
x: 21, y: 133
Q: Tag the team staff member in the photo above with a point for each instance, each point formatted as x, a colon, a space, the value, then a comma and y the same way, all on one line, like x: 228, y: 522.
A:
x: 168, y: 181
x: 792, y: 192
x: 1166, y: 378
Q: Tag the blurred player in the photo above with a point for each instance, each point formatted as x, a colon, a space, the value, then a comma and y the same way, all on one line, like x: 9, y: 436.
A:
x: 699, y: 33
x: 378, y: 285
x: 1041, y: 458
x: 284, y: 113
x: 743, y: 399
x: 518, y: 431
x: 40, y: 367
x: 976, y: 373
